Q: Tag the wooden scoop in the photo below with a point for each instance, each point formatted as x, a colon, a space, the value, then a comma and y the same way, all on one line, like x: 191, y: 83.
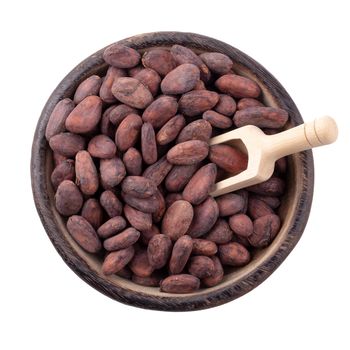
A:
x: 263, y: 150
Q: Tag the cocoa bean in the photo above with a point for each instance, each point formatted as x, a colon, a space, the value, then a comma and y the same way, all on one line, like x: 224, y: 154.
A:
x: 146, y: 235
x: 198, y: 101
x: 201, y: 266
x: 226, y: 105
x: 204, y: 247
x: 234, y: 254
x: 68, y: 198
x: 88, y: 87
x: 67, y: 144
x: 112, y: 172
x: 106, y: 127
x: 101, y: 146
x: 111, y: 204
x: 138, y: 186
x: 63, y: 171
x: 132, y: 92
x: 274, y: 186
x: 120, y: 112
x: 217, y: 62
x: 137, y: 219
x: 247, y: 102
x: 159, y: 250
x: 122, y: 240
x: 241, y: 225
x: 179, y: 284
x: 92, y: 212
x: 132, y: 160
x: 217, y: 275
x: 187, y: 153
x: 149, y: 78
x: 151, y: 281
x: 158, y: 214
x: 180, y: 254
x: 158, y: 171
x: 140, y: 265
x: 171, y: 198
x: 228, y: 158
x: 272, y: 202
x: 198, y: 130
x: 111, y: 227
x: 170, y: 130
x: 148, y: 144
x: 146, y: 205
x: 262, y: 117
x: 160, y: 60
x: 57, y: 120
x: 220, y: 233
x: 85, y: 116
x: 160, y: 111
x: 177, y: 219
x: 86, y: 173
x: 179, y: 176
x: 115, y: 261
x: 199, y: 186
x: 217, y: 120
x: 84, y: 234
x: 257, y: 208
x: 112, y: 74
x: 237, y: 86
x: 128, y: 132
x: 121, y: 56
x: 180, y: 80
x: 230, y: 203
x: 265, y: 230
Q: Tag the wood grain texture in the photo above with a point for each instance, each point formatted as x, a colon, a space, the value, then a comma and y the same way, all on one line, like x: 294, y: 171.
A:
x: 294, y: 210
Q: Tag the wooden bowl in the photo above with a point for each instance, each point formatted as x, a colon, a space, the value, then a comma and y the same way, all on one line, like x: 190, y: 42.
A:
x: 294, y: 211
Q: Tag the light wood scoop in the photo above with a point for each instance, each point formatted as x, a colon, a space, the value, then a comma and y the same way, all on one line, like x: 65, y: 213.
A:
x: 263, y: 150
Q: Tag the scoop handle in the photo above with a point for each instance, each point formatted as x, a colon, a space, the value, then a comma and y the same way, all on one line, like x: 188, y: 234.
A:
x: 319, y: 132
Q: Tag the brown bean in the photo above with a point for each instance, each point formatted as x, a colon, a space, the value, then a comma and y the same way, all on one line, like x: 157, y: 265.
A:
x: 272, y: 202
x: 180, y: 254
x: 248, y: 102
x: 265, y: 230
x: 257, y: 208
x: 135, y: 70
x: 121, y: 56
x: 179, y: 176
x: 204, y: 218
x: 170, y: 129
x: 237, y: 86
x: 101, y: 146
x: 111, y: 227
x: 106, y: 127
x: 111, y: 204
x: 241, y: 225
x: 146, y: 205
x: 67, y: 144
x: 217, y: 120
x: 177, y: 219
x: 151, y: 281
x: 138, y: 186
x: 201, y: 266
x: 63, y: 171
x: 180, y: 80
x: 88, y: 87
x: 137, y: 219
x: 201, y: 183
x: 132, y: 92
x: 189, y: 152
x: 179, y: 284
x: 148, y: 144
x: 140, y: 265
x: 158, y: 171
x: 112, y: 172
x: 197, y: 101
x: 84, y: 234
x: 57, y: 120
x: 85, y: 116
x: 132, y: 160
x: 86, y: 173
x: 217, y: 62
x: 230, y: 203
x: 128, y: 132
x: 149, y: 78
x: 217, y: 276
x: 160, y: 111
x: 112, y: 74
x: 159, y: 250
x: 226, y: 105
x: 204, y: 247
x: 68, y: 198
x: 262, y: 117
x: 92, y: 212
x: 120, y: 112
x: 122, y: 240
x: 146, y: 235
x: 234, y: 254
x: 197, y: 130
x: 274, y: 186
x: 159, y: 213
x: 183, y: 55
x: 115, y: 261
x: 220, y: 233
x: 228, y: 158
x: 160, y: 60
x: 171, y: 198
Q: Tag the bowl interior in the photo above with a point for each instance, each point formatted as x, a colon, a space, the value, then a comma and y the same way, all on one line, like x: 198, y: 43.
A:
x: 287, y: 210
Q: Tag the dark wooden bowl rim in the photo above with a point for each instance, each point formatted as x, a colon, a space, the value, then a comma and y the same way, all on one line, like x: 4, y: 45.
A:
x: 300, y: 195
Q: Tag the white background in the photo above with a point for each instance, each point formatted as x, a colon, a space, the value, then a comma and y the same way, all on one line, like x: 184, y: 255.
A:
x: 304, y: 304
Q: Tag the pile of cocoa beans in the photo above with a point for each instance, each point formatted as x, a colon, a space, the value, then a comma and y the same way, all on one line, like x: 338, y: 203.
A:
x: 133, y: 169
